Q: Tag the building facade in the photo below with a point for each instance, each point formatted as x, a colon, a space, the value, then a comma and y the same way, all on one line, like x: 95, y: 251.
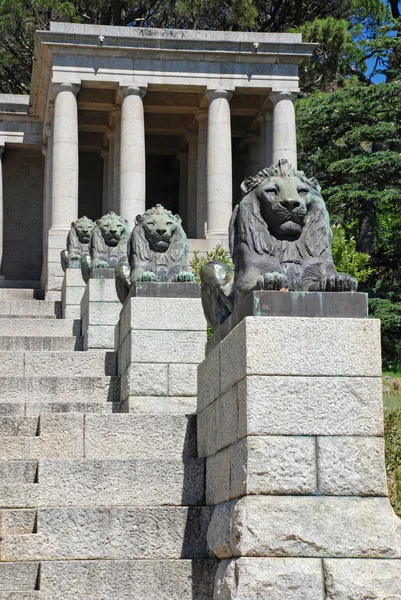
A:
x: 123, y: 118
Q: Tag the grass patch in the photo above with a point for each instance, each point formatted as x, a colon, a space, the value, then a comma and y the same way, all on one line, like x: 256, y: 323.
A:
x: 392, y: 400
x: 392, y: 433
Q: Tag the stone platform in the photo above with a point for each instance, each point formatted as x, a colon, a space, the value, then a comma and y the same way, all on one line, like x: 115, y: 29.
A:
x: 290, y: 421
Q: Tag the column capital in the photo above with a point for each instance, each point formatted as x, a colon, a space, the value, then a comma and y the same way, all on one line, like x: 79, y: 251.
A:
x: 116, y: 111
x: 212, y: 94
x: 131, y: 90
x: 277, y: 96
x: 201, y: 115
x: 66, y: 87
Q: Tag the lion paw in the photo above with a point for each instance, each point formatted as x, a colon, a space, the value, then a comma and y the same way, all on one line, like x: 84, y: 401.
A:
x: 100, y: 264
x: 148, y: 276
x: 341, y: 282
x: 184, y: 276
x: 274, y: 281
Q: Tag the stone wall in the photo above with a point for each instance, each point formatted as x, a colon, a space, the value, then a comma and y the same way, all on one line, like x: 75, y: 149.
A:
x: 23, y: 175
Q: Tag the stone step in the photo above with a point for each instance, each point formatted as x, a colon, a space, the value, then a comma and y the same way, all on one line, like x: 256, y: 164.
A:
x: 39, y: 343
x: 18, y: 521
x: 65, y: 390
x: 97, y: 436
x: 18, y: 576
x: 113, y: 533
x: 21, y: 294
x: 22, y: 596
x: 18, y: 471
x: 57, y: 364
x: 31, y: 308
x: 127, y: 580
x: 17, y: 283
x: 39, y: 327
x: 114, y: 482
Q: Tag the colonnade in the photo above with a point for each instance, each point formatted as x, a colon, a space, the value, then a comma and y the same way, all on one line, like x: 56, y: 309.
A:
x: 208, y: 165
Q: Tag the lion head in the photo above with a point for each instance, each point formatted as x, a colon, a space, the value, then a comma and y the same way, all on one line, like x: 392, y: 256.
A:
x: 282, y: 213
x: 159, y: 232
x: 112, y: 228
x: 80, y: 232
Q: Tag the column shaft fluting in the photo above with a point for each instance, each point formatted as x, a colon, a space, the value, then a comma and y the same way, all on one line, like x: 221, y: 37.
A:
x: 117, y: 160
x: 284, y: 132
x: 192, y: 140
x: 132, y: 154
x: 65, y: 156
x: 219, y: 164
x: 201, y: 185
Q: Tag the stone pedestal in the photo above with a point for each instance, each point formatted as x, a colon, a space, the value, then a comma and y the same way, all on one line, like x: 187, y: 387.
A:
x: 100, y: 310
x: 160, y: 341
x: 72, y: 291
x: 290, y: 421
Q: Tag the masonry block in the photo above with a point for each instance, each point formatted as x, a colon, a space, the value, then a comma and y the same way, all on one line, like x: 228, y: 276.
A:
x: 366, y: 578
x: 100, y: 312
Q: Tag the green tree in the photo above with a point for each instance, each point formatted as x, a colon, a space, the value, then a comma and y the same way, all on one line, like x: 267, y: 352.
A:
x: 351, y: 141
x: 346, y: 257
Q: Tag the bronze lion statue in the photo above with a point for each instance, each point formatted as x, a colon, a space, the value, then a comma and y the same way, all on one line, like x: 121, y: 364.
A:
x: 108, y: 244
x: 78, y: 239
x: 280, y: 238
x: 158, y: 251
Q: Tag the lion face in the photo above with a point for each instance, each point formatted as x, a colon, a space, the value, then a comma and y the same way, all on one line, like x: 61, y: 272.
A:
x: 159, y: 230
x: 112, y: 227
x: 284, y: 203
x: 83, y: 228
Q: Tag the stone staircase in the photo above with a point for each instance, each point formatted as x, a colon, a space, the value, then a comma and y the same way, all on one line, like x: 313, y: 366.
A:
x: 94, y: 504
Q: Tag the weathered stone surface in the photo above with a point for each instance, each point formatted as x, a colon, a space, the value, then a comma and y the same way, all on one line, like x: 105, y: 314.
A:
x: 144, y: 379
x: 18, y: 576
x: 100, y: 290
x: 182, y: 379
x: 262, y: 465
x: 164, y: 347
x: 362, y: 579
x: 113, y: 533
x: 269, y: 579
x: 28, y: 308
x: 59, y: 436
x: 122, y: 579
x: 310, y: 406
x: 125, y: 482
x: 181, y: 405
x: 305, y: 526
x: 18, y: 521
x: 39, y: 343
x: 13, y: 471
x: 100, y: 313
x: 179, y: 314
x: 99, y: 337
x: 209, y: 379
x: 351, y: 466
x: 36, y: 327
x: 302, y: 346
x: 140, y: 436
x: 19, y: 495
x: 69, y: 364
x: 18, y: 426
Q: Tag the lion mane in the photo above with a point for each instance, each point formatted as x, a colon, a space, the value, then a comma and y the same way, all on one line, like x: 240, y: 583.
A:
x: 248, y: 226
x: 177, y: 251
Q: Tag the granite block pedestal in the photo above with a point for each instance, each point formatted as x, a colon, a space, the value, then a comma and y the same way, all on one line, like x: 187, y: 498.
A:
x: 72, y: 290
x: 290, y: 421
x: 100, y: 310
x: 160, y: 339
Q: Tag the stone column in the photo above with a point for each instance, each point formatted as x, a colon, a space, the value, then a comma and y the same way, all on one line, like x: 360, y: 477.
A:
x: 183, y: 189
x: 1, y: 205
x: 132, y: 157
x: 192, y: 140
x: 65, y: 156
x: 117, y: 154
x: 253, y: 158
x: 105, y: 188
x: 201, y: 187
x: 64, y: 180
x: 284, y: 132
x: 266, y: 133
x: 110, y: 175
x: 219, y: 164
